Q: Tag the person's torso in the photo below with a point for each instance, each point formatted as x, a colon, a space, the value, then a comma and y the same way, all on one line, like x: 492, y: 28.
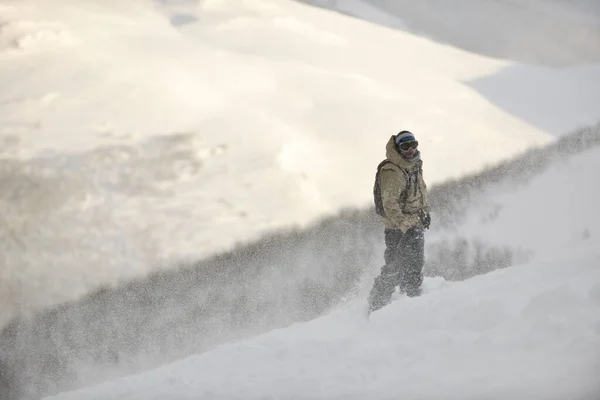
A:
x: 412, y: 198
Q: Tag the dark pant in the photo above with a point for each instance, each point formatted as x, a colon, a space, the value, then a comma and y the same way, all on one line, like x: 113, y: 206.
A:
x: 404, y: 259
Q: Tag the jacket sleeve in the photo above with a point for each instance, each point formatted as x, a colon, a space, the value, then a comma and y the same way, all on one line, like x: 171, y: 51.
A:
x: 392, y: 185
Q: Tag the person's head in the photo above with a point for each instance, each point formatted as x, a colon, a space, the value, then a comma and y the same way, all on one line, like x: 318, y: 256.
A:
x: 406, y: 144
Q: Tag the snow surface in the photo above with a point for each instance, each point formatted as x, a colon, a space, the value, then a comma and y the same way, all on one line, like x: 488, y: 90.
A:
x: 530, y: 331
x: 361, y: 9
x: 557, y: 210
x: 135, y: 134
x: 541, y: 32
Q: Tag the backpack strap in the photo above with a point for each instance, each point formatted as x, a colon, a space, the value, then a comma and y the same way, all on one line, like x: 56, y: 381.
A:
x: 381, y: 164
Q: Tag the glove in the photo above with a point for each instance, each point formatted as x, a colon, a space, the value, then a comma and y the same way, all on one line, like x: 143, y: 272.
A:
x: 425, y: 219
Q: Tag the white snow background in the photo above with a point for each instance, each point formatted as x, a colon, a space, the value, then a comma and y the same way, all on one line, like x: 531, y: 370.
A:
x: 531, y: 331
x: 135, y: 135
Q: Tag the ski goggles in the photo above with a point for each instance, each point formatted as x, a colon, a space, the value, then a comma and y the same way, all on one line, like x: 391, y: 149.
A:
x: 408, y: 145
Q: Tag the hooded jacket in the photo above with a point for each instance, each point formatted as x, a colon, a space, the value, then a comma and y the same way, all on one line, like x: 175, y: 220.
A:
x: 403, y: 190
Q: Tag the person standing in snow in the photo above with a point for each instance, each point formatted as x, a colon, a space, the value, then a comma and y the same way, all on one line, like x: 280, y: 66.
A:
x: 401, y: 199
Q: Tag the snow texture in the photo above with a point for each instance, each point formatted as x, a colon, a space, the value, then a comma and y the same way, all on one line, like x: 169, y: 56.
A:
x: 136, y: 135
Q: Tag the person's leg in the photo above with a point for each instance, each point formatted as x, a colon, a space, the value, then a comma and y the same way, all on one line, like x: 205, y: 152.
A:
x: 389, y: 277
x: 412, y: 256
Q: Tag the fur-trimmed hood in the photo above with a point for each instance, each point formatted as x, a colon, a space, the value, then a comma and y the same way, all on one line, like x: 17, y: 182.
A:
x: 392, y: 154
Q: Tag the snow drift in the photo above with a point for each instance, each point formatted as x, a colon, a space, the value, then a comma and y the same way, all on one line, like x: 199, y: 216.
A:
x: 142, y: 136
x: 527, y: 332
x: 297, y: 276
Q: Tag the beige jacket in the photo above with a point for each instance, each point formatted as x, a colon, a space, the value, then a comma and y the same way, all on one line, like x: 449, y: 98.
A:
x: 403, y: 190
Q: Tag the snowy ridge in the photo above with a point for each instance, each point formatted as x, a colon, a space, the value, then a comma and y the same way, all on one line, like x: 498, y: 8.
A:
x: 140, y: 136
x: 543, y: 32
x: 524, y: 333
x: 296, y: 276
x: 86, y: 115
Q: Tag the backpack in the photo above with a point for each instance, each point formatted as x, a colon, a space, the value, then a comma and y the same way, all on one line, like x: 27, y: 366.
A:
x: 377, y: 190
x: 379, y: 210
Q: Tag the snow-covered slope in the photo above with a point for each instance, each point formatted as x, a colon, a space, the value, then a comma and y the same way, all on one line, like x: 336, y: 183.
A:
x: 555, y: 211
x: 546, y: 32
x: 135, y: 134
x: 526, y: 332
x: 297, y: 275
